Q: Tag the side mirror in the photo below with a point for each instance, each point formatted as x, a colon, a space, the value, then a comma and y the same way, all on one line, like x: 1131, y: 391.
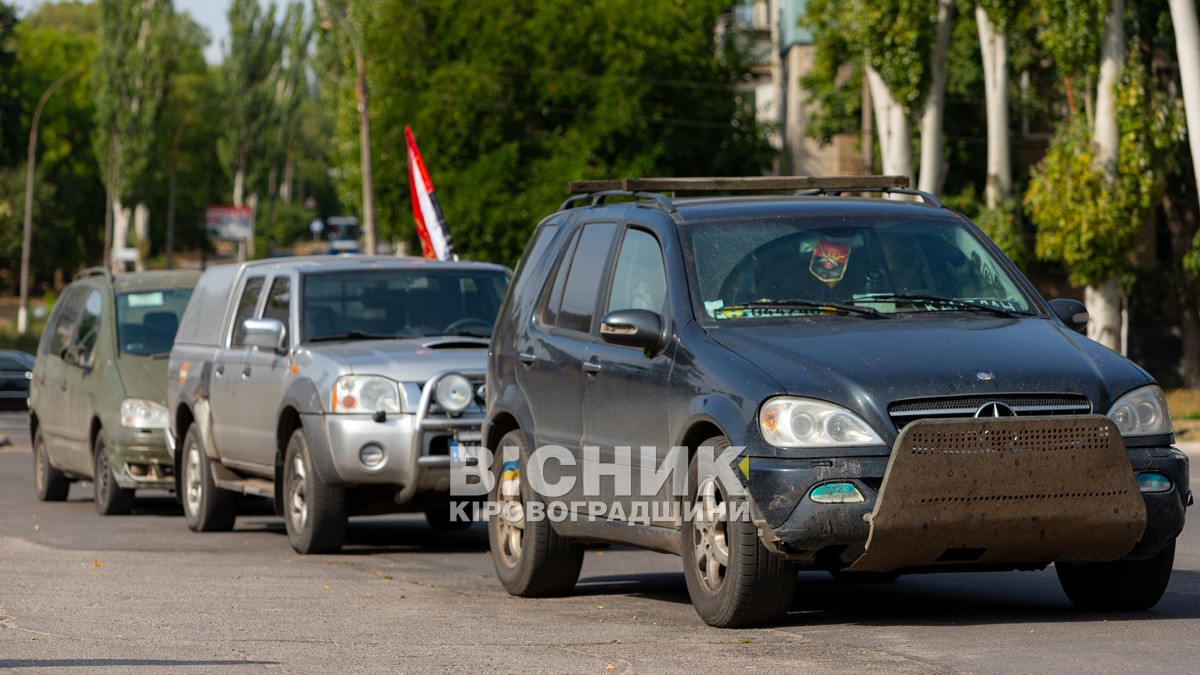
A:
x: 265, y: 333
x: 1071, y: 312
x: 639, y: 328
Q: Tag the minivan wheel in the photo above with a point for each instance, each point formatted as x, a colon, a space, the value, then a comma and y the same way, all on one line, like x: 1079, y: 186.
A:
x: 51, y: 484
x: 531, y: 559
x: 1120, y: 586
x: 111, y: 499
x: 731, y: 577
x: 315, y: 513
x: 206, y: 507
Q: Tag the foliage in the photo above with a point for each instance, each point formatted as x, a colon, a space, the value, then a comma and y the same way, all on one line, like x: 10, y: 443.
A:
x: 835, y: 81
x: 129, y: 78
x: 1071, y: 31
x: 248, y: 75
x: 1084, y: 221
x: 1003, y: 224
x: 509, y: 100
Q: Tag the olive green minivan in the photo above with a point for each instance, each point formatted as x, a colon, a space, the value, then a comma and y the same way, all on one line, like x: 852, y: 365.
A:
x: 97, y: 401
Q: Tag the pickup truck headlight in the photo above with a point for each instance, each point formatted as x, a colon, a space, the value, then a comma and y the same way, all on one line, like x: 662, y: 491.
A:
x: 138, y: 413
x: 454, y: 393
x: 365, y: 394
x: 790, y: 422
x: 1142, y: 412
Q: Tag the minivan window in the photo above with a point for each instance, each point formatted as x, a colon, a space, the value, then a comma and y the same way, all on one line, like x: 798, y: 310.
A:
x: 89, y: 323
x: 583, y: 279
x: 62, y: 322
x: 245, y: 310
x: 147, y: 320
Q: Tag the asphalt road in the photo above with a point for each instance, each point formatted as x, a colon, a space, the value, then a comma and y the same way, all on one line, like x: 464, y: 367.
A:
x: 141, y: 593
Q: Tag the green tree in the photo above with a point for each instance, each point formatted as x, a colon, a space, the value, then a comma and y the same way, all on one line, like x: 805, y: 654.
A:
x: 509, y: 100
x: 129, y: 80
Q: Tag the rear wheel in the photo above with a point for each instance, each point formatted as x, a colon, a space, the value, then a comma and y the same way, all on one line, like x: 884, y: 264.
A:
x: 206, y: 507
x: 731, y: 577
x: 531, y: 559
x: 111, y: 499
x: 315, y: 513
x: 1121, y: 586
x: 52, y: 485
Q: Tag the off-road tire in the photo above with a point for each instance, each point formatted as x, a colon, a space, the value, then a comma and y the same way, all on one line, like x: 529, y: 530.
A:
x: 206, y: 507
x: 315, y: 514
x: 1121, y: 586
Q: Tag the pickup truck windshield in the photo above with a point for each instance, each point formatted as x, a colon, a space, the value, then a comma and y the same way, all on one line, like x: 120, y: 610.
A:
x: 809, y: 266
x: 399, y: 303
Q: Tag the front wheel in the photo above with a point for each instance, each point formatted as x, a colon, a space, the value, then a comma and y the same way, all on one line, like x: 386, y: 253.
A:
x: 733, y: 580
x: 1121, y: 586
x: 51, y: 484
x: 111, y: 499
x: 206, y: 507
x: 531, y: 559
x: 315, y: 513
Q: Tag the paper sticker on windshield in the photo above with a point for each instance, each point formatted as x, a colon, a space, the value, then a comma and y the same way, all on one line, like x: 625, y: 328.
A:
x: 153, y: 299
x: 829, y: 262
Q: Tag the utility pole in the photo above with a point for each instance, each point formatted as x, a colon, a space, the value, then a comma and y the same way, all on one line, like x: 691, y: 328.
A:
x: 23, y: 311
x: 364, y: 125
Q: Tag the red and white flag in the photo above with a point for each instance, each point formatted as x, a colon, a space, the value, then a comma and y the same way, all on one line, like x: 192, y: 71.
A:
x: 431, y: 224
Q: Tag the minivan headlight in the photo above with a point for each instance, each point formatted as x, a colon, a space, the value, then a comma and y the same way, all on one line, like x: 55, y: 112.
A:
x: 790, y: 422
x: 365, y: 394
x: 139, y: 413
x: 1142, y: 412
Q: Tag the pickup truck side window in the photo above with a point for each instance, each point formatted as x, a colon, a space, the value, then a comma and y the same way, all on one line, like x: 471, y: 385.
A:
x: 245, y: 310
x: 279, y: 303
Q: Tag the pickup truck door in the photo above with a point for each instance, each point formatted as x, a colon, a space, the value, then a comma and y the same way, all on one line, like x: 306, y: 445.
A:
x: 230, y: 414
x: 263, y: 378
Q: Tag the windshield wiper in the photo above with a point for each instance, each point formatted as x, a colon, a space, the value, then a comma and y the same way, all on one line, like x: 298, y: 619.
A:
x: 351, y: 335
x: 795, y: 303
x: 956, y: 303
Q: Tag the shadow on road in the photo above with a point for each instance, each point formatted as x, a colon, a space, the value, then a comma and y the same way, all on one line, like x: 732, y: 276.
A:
x: 394, y: 534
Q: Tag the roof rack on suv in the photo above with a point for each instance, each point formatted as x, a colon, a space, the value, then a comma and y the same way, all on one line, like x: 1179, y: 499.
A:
x: 94, y: 272
x: 596, y: 191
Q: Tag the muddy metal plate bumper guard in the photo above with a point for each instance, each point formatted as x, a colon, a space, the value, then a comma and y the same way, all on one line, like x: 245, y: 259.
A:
x: 1033, y: 489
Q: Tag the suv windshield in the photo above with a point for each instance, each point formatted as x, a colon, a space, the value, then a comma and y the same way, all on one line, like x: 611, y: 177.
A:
x: 400, y: 303
x: 147, y: 320
x: 813, y: 265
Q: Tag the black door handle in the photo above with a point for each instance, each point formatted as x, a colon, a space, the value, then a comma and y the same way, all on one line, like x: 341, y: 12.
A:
x: 246, y: 372
x: 219, y: 370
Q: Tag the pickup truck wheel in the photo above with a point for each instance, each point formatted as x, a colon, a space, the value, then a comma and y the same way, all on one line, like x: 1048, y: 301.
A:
x: 315, y: 513
x: 1121, y: 586
x: 733, y: 580
x: 206, y: 507
x: 531, y: 559
x: 51, y: 484
x: 111, y: 499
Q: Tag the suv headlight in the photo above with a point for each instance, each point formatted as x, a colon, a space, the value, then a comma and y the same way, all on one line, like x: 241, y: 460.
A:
x: 454, y: 393
x: 1142, y: 412
x: 365, y: 394
x: 138, y: 413
x: 789, y: 422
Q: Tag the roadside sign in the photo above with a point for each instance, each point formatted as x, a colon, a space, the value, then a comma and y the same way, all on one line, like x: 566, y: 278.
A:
x: 230, y: 223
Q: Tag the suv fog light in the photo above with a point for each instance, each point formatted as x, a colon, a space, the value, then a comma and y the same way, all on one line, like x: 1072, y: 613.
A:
x: 1152, y: 481
x: 836, y: 493
x: 371, y: 456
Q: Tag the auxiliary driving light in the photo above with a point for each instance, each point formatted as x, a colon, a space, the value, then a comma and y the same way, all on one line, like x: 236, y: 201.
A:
x: 371, y: 456
x: 1152, y: 481
x: 836, y: 493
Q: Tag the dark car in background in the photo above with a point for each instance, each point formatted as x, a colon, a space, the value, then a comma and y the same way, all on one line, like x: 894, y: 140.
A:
x: 877, y: 390
x: 16, y: 371
x: 97, y: 405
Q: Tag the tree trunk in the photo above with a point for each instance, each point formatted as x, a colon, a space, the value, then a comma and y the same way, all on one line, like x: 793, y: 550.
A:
x: 935, y: 103
x: 1187, y: 43
x: 867, y: 140
x: 895, y: 131
x: 285, y: 187
x: 1104, y: 300
x: 1103, y: 303
x: 993, y: 46
x: 141, y: 235
x: 120, y: 238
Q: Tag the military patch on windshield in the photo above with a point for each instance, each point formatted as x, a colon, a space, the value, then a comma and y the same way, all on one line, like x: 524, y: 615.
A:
x: 829, y: 262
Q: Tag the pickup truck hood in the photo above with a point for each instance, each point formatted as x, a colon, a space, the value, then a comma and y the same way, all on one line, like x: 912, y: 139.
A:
x: 865, y: 364
x: 409, y: 360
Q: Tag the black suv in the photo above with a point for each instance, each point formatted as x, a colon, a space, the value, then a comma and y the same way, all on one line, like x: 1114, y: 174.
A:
x: 815, y: 381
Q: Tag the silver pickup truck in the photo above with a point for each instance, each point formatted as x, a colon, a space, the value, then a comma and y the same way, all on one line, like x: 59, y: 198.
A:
x: 334, y: 386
